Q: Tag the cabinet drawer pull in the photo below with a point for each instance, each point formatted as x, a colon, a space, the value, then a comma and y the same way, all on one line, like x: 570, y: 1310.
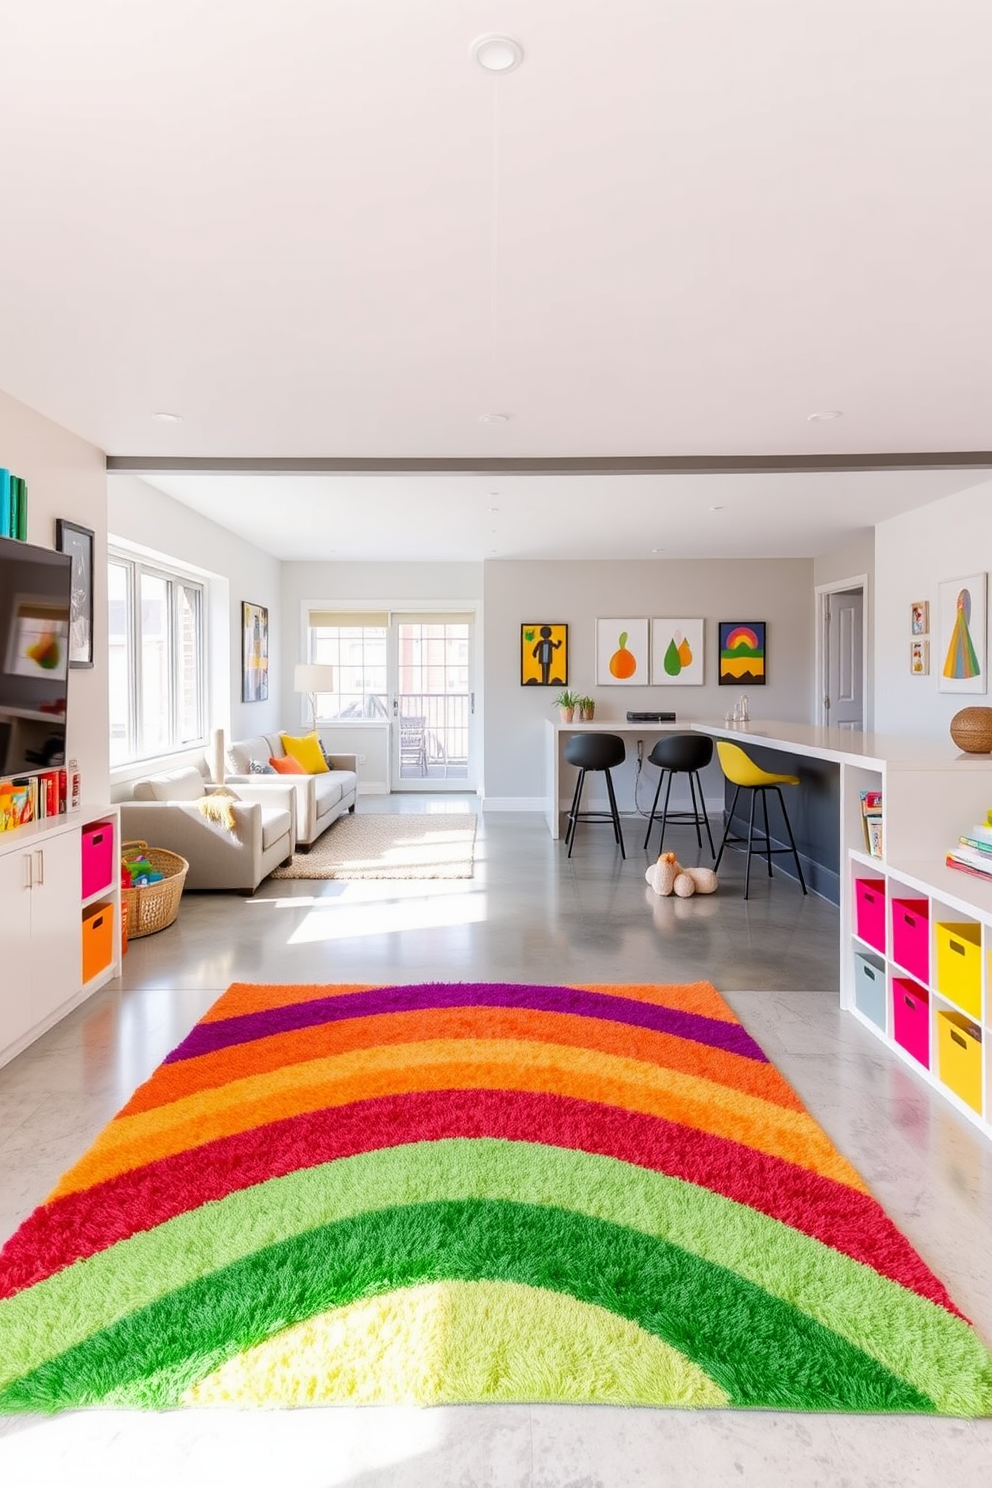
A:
x: 957, y: 1038
x: 909, y: 1001
x: 909, y: 919
x: 96, y: 839
x: 96, y: 922
x: 869, y: 973
x: 956, y: 945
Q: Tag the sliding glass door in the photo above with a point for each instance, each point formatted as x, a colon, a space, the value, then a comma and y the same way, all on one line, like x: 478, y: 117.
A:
x: 409, y: 675
x: 432, y: 702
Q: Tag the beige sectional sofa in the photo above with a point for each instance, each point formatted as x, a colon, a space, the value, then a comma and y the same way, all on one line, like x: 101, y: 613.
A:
x: 320, y: 799
x: 166, y: 811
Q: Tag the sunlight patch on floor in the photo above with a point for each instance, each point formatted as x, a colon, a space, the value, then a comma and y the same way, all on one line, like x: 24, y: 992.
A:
x: 423, y: 913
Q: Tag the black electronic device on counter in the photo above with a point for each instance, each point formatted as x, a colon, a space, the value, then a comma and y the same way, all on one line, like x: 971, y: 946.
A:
x: 650, y: 717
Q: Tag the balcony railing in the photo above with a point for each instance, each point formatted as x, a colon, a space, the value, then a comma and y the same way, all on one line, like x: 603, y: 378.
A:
x: 434, y: 730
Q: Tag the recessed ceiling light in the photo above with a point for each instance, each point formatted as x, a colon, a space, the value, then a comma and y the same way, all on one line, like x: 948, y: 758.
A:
x: 494, y: 418
x: 167, y: 418
x: 824, y: 416
x: 497, y: 53
x: 716, y: 508
x: 494, y: 508
x: 657, y: 550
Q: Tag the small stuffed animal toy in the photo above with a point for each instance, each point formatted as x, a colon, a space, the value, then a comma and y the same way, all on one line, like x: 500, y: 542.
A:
x: 667, y: 876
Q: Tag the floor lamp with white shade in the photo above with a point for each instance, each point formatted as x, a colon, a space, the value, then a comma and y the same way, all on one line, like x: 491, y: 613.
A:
x: 312, y: 677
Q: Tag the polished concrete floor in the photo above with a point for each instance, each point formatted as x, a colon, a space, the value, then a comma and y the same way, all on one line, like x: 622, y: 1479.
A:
x: 528, y: 913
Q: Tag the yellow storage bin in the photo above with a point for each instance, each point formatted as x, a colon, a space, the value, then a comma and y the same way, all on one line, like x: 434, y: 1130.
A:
x: 959, y: 965
x: 959, y: 1051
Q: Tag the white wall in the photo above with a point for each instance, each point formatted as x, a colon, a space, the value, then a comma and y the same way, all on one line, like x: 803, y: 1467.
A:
x: 778, y: 591
x: 67, y: 477
x: 375, y: 585
x: 237, y: 571
x: 914, y: 553
x: 844, y: 563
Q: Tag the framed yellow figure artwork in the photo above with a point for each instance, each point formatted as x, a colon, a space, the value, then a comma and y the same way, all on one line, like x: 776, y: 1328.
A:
x: 543, y: 654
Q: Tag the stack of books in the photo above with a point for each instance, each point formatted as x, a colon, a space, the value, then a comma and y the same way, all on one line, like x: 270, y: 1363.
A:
x: 13, y: 505
x: 30, y: 798
x: 973, y: 853
x: 871, y: 820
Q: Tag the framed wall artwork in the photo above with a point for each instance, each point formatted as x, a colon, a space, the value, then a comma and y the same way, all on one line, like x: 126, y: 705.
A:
x: 622, y: 653
x: 962, y: 633
x: 919, y: 657
x: 676, y: 653
x: 254, y: 653
x: 78, y: 543
x: 543, y: 655
x: 743, y: 659
x: 919, y: 617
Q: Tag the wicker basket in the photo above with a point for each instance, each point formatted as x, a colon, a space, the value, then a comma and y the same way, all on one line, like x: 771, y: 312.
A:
x: 971, y: 730
x: 154, y: 906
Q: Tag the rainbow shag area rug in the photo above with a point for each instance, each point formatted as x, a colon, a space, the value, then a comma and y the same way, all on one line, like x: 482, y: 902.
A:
x: 473, y: 1192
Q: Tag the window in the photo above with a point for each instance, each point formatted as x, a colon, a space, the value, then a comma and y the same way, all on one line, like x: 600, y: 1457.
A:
x: 355, y: 646
x: 157, y: 667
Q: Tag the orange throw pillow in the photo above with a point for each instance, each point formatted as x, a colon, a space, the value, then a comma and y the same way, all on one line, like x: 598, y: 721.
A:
x: 287, y: 765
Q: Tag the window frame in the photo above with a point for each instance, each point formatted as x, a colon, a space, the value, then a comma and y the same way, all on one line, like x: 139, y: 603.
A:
x: 177, y: 579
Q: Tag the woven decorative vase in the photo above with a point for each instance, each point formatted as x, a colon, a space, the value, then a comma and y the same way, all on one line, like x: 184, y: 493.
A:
x: 971, y: 730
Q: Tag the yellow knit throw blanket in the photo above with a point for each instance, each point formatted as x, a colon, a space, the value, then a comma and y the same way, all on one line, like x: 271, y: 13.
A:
x: 219, y: 807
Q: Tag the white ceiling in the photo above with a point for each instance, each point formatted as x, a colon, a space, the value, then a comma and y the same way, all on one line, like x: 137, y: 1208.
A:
x: 317, y: 229
x: 446, y: 518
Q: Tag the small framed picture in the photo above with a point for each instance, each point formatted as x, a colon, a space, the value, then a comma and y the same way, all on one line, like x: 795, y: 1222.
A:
x: 254, y: 653
x: 78, y: 543
x: 919, y: 617
x: 919, y: 658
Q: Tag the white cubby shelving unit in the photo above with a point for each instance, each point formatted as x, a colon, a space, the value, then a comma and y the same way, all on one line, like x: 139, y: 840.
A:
x: 927, y: 804
x: 60, y: 944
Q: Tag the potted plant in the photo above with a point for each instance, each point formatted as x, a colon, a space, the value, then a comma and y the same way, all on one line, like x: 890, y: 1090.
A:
x: 587, y: 709
x: 567, y: 702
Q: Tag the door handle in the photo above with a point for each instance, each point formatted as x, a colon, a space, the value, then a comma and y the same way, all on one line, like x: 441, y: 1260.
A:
x: 28, y: 872
x: 39, y: 854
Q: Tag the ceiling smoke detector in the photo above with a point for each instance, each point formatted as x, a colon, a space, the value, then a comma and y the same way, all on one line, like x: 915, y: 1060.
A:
x: 494, y: 418
x: 497, y: 53
x: 825, y: 416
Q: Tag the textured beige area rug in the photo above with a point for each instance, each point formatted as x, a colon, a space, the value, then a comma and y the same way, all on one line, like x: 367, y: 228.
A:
x: 400, y: 846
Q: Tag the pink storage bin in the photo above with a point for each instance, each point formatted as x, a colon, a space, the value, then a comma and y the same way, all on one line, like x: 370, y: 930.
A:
x: 869, y: 911
x: 97, y: 857
x: 911, y: 1018
x: 911, y: 936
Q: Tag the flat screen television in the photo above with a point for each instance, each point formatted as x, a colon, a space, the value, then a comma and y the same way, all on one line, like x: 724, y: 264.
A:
x: 35, y: 595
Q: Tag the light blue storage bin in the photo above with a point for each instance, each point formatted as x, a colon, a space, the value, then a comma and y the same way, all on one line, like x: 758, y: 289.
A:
x: 869, y: 987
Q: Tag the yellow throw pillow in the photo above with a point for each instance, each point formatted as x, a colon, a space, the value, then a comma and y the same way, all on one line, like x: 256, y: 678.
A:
x: 307, y: 752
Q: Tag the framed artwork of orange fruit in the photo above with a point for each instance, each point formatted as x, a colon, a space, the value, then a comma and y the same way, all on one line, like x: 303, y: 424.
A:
x: 622, y: 653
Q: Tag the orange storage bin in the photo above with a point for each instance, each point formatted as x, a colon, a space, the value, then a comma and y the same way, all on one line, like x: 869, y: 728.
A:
x: 98, y: 939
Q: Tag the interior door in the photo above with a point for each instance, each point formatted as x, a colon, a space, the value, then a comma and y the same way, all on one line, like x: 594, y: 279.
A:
x: 433, y: 702
x: 844, y: 655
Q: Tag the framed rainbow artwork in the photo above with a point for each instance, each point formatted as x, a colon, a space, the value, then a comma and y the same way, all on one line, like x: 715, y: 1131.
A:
x: 742, y: 653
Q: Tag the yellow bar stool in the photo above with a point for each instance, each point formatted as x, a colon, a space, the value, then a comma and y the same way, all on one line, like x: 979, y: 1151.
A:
x: 742, y: 772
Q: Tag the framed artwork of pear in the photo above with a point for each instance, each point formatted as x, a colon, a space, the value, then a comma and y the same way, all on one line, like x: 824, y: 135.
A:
x: 676, y: 653
x: 622, y: 653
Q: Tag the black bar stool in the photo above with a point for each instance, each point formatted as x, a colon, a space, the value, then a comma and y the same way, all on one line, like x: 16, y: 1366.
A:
x: 682, y: 754
x: 594, y: 752
x: 741, y: 770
